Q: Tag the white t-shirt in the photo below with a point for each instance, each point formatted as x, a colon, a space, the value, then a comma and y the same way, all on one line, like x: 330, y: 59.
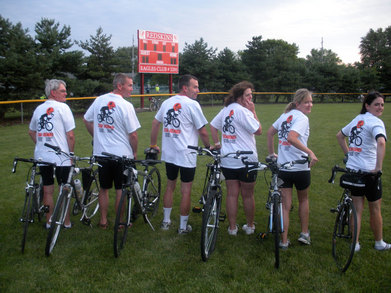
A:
x: 237, y: 125
x: 51, y: 121
x: 181, y: 117
x: 114, y: 119
x: 297, y: 121
x: 362, y: 132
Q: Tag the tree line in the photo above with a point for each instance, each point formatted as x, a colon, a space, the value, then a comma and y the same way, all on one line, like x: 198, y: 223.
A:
x: 272, y: 65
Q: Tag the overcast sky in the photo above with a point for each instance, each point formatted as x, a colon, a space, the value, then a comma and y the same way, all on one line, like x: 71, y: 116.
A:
x: 221, y: 23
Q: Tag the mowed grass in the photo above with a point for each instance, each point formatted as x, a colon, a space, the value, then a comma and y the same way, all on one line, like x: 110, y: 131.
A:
x: 163, y: 261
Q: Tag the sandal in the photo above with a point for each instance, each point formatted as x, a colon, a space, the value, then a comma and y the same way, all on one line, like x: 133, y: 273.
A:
x: 103, y: 226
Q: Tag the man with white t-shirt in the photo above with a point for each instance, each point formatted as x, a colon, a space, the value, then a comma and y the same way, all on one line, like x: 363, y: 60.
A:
x: 183, y: 121
x: 113, y: 123
x: 53, y: 123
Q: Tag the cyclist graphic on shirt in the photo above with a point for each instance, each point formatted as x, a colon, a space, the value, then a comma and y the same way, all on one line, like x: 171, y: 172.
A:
x: 171, y: 116
x: 228, y: 127
x: 44, y: 120
x: 285, y: 127
x: 105, y: 112
x: 354, y: 136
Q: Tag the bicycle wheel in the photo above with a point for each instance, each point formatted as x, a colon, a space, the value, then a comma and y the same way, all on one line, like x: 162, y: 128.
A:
x: 152, y: 192
x: 57, y: 220
x: 91, y: 199
x: 344, y: 236
x: 27, y: 215
x: 276, y: 230
x: 210, y: 224
x: 122, y: 221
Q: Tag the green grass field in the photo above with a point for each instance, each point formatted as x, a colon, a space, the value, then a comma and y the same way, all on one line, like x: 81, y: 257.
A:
x: 163, y: 261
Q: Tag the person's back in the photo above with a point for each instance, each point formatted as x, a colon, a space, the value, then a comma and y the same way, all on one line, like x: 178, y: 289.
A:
x: 111, y: 134
x: 181, y: 117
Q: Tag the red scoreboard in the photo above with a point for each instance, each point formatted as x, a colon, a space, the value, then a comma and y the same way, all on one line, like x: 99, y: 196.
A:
x: 157, y: 52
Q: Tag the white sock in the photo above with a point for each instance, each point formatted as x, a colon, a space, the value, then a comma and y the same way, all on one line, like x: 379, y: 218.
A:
x: 184, y: 220
x: 166, y: 215
x: 380, y: 243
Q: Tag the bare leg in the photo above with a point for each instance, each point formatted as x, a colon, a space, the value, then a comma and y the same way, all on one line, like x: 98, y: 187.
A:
x: 233, y: 187
x: 286, y: 194
x: 304, y: 210
x: 376, y: 219
x: 247, y: 190
x: 358, y: 202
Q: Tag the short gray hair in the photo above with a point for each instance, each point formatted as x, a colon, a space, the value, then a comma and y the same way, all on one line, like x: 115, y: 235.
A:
x: 52, y: 85
x: 120, y: 78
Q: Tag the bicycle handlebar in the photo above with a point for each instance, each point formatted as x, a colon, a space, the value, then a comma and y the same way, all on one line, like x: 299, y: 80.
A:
x: 337, y: 169
x: 125, y: 159
x: 215, y: 152
x: 31, y: 160
x: 271, y: 163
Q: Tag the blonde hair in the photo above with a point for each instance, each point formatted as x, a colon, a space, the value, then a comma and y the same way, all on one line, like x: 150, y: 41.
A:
x: 299, y: 96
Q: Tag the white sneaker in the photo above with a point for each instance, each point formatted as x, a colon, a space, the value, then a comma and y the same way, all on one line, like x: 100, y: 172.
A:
x: 165, y: 226
x: 387, y: 246
x: 357, y: 247
x: 185, y: 231
x: 233, y: 232
x: 248, y: 230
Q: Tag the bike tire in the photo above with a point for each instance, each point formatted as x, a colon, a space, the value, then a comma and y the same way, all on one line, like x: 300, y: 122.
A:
x: 57, y: 220
x: 276, y: 231
x: 121, y: 226
x: 152, y: 192
x: 210, y: 224
x: 38, y: 198
x: 91, y: 199
x: 344, y: 236
x: 27, y: 215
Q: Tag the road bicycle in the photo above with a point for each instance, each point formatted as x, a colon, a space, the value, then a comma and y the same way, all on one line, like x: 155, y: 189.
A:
x: 155, y: 103
x: 145, y: 200
x: 33, y: 201
x: 345, y: 227
x: 275, y: 223
x: 89, y: 205
x: 211, y: 198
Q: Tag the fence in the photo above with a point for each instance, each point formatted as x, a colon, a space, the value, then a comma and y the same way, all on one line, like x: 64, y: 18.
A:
x: 141, y: 102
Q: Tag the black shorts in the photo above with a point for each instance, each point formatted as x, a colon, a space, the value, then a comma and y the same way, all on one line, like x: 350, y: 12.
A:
x: 187, y: 174
x: 240, y: 174
x: 109, y: 171
x: 62, y: 174
x: 373, y: 190
x: 301, y: 179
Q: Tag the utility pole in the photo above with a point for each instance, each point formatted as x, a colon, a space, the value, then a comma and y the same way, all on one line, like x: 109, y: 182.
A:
x: 321, y: 50
x: 133, y: 59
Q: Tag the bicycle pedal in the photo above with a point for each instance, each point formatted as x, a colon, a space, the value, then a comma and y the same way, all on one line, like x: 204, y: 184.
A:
x: 334, y: 210
x: 86, y: 221
x: 197, y: 210
x: 222, y: 217
x: 262, y: 235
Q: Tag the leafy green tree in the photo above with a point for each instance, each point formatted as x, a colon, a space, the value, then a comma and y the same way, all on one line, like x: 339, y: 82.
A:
x: 231, y: 70
x: 19, y: 69
x: 375, y: 49
x: 324, y: 71
x: 273, y: 64
x: 197, y: 59
x: 101, y: 61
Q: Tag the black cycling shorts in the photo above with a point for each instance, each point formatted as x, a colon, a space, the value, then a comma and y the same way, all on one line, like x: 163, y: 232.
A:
x: 109, y: 171
x: 240, y: 174
x: 301, y: 179
x: 373, y: 188
x: 187, y: 174
x: 62, y: 174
